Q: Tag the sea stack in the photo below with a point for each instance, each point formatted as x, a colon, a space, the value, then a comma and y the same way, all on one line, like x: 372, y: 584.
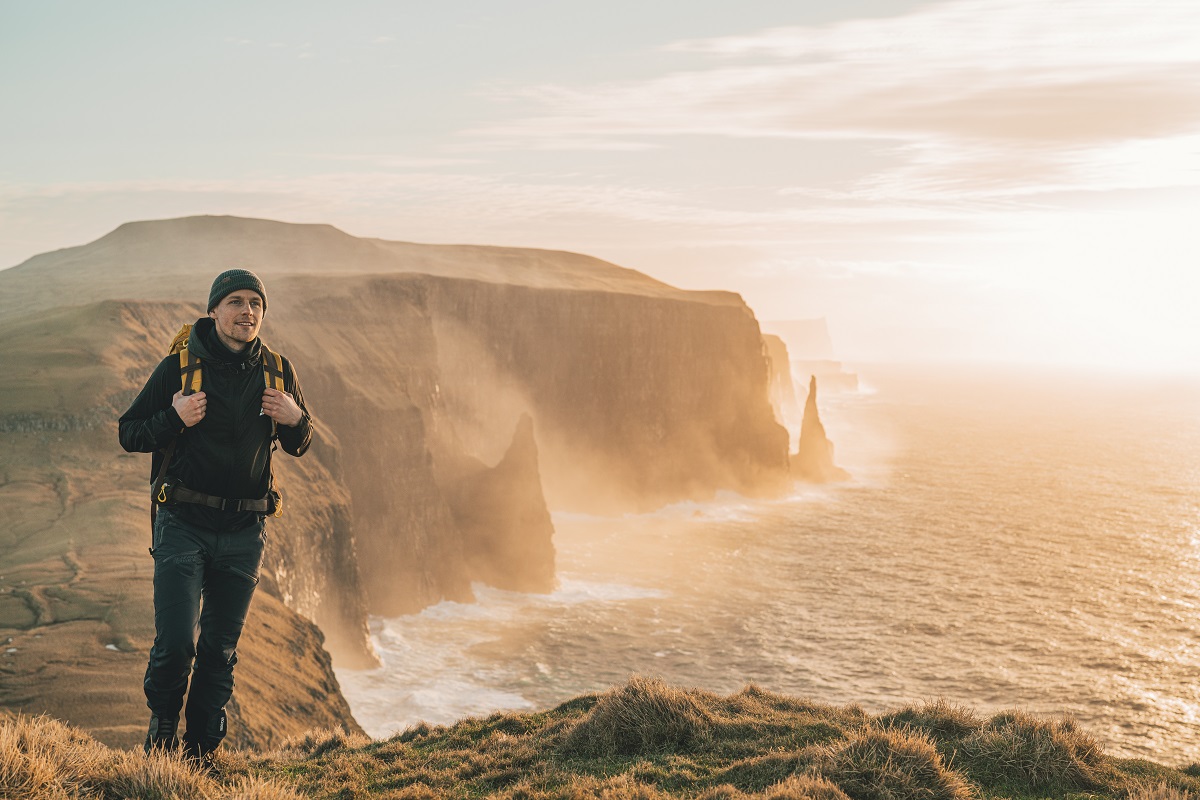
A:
x: 813, y: 459
x: 506, y: 526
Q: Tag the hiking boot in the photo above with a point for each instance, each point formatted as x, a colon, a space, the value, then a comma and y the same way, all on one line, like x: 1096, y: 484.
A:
x: 202, y: 761
x: 161, y: 735
x: 201, y: 740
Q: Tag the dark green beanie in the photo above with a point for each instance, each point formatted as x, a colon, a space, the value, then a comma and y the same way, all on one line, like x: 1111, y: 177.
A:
x: 230, y: 281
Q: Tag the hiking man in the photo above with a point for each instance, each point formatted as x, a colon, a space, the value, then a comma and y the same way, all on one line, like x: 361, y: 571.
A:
x: 212, y: 494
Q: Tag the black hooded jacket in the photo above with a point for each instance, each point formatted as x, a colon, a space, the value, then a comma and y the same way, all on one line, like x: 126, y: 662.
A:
x: 228, y: 453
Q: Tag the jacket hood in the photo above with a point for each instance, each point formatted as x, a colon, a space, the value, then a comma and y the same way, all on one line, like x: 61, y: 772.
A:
x: 205, y: 343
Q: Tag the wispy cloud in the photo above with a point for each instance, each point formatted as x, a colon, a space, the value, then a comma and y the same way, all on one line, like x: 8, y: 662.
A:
x: 987, y: 95
x: 391, y: 160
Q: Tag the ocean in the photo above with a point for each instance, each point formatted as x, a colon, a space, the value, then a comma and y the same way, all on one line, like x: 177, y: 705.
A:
x: 1010, y: 539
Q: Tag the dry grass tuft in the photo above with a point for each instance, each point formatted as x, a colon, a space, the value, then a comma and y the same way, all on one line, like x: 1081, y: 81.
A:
x: 805, y: 787
x: 415, y: 791
x: 756, y: 774
x: 938, y: 718
x: 617, y: 787
x: 644, y: 717
x: 623, y: 787
x: 1160, y: 791
x: 319, y: 741
x: 890, y: 764
x: 43, y: 758
x: 796, y: 787
x: 1022, y: 752
x: 155, y: 777
x: 27, y: 768
x: 246, y: 788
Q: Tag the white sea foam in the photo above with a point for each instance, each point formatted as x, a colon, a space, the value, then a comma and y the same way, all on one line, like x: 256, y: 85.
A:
x: 429, y: 672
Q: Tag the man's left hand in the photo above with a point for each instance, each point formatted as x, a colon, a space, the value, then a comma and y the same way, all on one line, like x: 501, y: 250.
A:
x: 281, y: 407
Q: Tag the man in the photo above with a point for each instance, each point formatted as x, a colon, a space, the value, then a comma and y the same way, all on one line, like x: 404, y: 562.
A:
x: 211, y: 505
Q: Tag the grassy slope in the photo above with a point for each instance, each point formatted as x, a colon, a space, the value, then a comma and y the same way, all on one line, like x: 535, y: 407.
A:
x: 643, y: 740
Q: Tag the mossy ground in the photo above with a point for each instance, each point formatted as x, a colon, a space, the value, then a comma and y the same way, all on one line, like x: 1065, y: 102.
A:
x: 642, y: 740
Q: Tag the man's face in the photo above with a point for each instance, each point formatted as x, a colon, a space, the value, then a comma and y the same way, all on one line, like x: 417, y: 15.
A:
x: 238, y: 316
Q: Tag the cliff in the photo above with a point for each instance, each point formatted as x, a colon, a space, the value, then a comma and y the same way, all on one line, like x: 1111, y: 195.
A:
x: 639, y: 400
x: 782, y: 389
x: 419, y: 363
x: 813, y: 459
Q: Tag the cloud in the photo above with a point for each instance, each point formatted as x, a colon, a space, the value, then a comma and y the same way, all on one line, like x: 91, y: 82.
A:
x: 1071, y: 36
x: 1010, y: 93
x: 392, y: 161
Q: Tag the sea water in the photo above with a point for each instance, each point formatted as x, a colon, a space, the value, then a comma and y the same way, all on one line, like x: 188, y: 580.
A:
x: 1010, y: 539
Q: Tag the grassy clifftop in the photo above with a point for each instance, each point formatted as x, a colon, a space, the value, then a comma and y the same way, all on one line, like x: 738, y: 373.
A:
x: 644, y: 740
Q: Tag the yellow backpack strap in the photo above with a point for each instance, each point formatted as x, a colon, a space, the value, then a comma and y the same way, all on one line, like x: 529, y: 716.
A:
x: 272, y: 364
x: 273, y: 379
x: 189, y: 372
x: 272, y: 369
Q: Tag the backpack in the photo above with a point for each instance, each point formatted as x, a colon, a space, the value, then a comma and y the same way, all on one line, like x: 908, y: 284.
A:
x: 191, y: 376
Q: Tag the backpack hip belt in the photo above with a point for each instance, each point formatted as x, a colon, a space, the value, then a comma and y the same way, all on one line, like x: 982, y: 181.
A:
x: 174, y: 493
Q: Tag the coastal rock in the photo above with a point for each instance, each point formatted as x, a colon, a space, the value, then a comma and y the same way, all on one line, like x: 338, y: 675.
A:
x: 506, y: 526
x: 813, y: 459
x: 782, y: 389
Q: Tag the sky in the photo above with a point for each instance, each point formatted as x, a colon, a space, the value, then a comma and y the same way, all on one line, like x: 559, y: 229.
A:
x: 979, y: 180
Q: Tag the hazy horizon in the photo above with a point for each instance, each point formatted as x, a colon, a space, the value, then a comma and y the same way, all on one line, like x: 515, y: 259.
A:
x: 982, y: 181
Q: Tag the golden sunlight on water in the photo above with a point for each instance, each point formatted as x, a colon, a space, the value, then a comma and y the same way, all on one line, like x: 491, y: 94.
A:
x: 1008, y: 540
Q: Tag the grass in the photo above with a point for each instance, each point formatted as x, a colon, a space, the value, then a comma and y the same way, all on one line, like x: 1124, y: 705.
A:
x: 644, y: 740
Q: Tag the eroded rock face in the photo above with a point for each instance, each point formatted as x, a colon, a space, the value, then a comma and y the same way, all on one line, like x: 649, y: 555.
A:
x: 639, y: 400
x: 370, y: 369
x: 782, y: 390
x: 813, y: 459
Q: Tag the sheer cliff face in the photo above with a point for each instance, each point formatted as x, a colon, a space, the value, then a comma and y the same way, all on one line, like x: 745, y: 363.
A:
x: 370, y: 365
x: 639, y: 401
x: 782, y: 390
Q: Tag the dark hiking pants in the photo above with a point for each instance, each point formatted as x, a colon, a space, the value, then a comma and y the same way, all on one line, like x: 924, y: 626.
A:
x: 203, y: 582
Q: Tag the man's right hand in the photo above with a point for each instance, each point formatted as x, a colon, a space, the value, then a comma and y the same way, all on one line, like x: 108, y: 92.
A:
x: 191, y: 408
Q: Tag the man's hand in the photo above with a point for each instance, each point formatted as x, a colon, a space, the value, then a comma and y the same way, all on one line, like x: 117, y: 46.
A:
x: 280, y: 407
x: 191, y: 408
